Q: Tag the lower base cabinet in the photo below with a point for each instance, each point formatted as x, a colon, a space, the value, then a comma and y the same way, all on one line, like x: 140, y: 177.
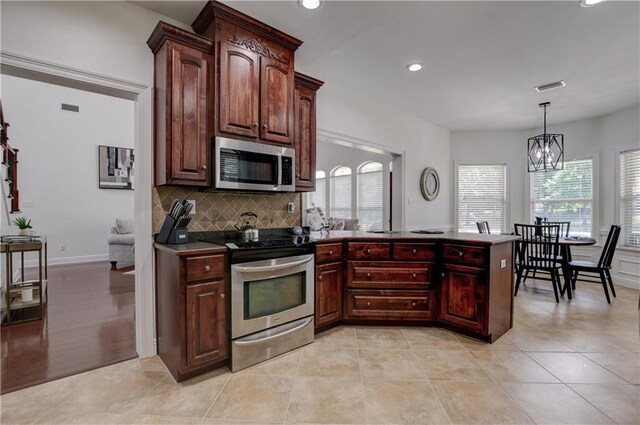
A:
x: 328, y: 294
x: 462, y: 297
x: 206, y: 323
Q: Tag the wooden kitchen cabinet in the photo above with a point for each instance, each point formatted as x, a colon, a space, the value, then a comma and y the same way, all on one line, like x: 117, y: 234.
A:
x: 183, y: 67
x: 238, y: 91
x: 328, y: 294
x: 206, y: 323
x: 463, y: 297
x: 276, y: 100
x: 304, y: 133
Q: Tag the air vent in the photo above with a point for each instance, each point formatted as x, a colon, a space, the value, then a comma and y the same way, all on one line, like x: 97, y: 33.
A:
x: 72, y: 108
x: 551, y: 86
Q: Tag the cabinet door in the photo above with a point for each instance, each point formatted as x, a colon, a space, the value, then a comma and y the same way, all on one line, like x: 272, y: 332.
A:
x: 207, y: 337
x: 304, y: 138
x: 238, y: 92
x: 462, y: 297
x: 276, y: 101
x: 189, y: 116
x: 328, y: 293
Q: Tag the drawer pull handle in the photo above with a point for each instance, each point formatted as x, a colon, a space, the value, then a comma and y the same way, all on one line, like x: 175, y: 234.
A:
x: 204, y: 167
x: 413, y: 304
x: 442, y: 275
x: 460, y: 254
x: 320, y: 277
x: 255, y: 125
x: 368, y: 303
x: 207, y: 268
x: 369, y: 275
x: 414, y: 275
x: 265, y: 126
x: 368, y: 250
x: 222, y: 296
x: 415, y: 251
x: 330, y: 252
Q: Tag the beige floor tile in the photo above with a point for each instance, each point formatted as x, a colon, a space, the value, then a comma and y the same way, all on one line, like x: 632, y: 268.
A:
x: 502, y: 344
x: 535, y: 341
x: 148, y: 363
x: 188, y: 398
x: 164, y: 420
x: 110, y: 391
x: 554, y: 404
x: 26, y: 414
x: 381, y: 338
x: 390, y: 364
x: 432, y: 339
x: 253, y: 398
x: 327, y: 361
x: 478, y: 403
x: 628, y: 340
x: 618, y: 401
x: 284, y: 365
x: 512, y: 366
x: 403, y: 402
x: 49, y: 395
x: 588, y: 342
x: 450, y: 366
x: 339, y: 337
x: 327, y: 400
x: 625, y: 365
x: 64, y: 417
x: 573, y: 368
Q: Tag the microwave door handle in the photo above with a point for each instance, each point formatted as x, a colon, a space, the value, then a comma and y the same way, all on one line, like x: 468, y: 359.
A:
x: 279, y: 181
x: 257, y: 269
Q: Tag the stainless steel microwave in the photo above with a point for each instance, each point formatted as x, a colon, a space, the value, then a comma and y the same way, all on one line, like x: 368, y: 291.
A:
x: 242, y: 165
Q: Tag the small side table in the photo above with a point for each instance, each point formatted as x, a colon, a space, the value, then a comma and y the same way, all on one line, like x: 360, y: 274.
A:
x: 13, y: 302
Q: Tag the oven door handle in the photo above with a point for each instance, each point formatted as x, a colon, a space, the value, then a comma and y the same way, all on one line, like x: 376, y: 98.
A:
x: 257, y: 269
x: 274, y: 336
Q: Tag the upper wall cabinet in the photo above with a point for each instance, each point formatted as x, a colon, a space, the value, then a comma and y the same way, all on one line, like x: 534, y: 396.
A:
x: 183, y: 65
x: 304, y: 134
x: 255, y: 83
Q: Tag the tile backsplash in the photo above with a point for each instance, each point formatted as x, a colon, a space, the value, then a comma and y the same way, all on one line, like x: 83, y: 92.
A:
x: 220, y: 211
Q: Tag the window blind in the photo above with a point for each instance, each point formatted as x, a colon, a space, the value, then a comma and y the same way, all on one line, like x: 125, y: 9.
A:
x: 340, y: 193
x: 370, y: 197
x: 319, y: 197
x: 565, y: 195
x: 630, y: 197
x: 481, y: 197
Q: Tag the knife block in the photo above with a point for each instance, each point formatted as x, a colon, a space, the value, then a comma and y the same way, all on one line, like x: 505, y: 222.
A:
x: 166, y: 230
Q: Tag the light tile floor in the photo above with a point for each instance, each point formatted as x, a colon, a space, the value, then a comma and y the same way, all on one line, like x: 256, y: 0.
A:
x: 570, y: 363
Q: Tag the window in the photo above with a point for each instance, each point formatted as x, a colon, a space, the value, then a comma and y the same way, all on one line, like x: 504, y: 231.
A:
x: 482, y: 196
x: 370, y: 197
x: 340, y: 191
x: 630, y: 197
x: 565, y: 195
x: 319, y: 197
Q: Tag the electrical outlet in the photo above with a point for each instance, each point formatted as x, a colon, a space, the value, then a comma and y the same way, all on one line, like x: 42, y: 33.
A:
x: 192, y: 202
x: 62, y: 247
x: 503, y: 263
x: 291, y: 207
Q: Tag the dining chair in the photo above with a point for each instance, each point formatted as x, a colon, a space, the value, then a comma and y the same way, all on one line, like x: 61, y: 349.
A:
x: 483, y: 226
x: 539, y: 250
x: 600, y: 270
x: 564, y: 227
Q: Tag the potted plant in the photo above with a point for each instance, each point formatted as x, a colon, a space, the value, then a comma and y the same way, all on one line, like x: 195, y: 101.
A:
x: 24, y: 226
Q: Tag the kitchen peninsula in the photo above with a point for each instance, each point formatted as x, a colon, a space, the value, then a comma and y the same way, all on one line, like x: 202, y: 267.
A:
x: 462, y: 282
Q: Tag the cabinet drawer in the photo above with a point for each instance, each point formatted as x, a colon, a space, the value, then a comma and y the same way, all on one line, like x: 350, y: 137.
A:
x: 414, y: 251
x: 205, y: 267
x: 389, y: 275
x: 470, y: 255
x: 328, y: 252
x: 372, y: 251
x: 392, y: 305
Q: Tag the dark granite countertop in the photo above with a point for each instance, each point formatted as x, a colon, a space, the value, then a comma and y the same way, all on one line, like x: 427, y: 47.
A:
x: 455, y: 237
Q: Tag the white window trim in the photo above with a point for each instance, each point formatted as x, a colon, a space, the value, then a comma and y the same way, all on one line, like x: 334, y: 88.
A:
x: 616, y: 199
x: 595, y: 187
x: 507, y: 201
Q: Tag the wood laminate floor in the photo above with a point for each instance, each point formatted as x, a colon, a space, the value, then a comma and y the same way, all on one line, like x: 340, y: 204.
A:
x: 89, y: 323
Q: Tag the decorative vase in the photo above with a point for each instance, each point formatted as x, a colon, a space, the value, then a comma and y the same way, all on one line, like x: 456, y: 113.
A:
x: 24, y: 232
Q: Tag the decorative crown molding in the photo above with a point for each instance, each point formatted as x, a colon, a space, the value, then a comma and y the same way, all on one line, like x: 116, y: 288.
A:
x: 165, y: 31
x: 256, y: 47
x: 308, y: 82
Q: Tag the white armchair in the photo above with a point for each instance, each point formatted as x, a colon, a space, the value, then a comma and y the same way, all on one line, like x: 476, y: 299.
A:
x: 121, y: 243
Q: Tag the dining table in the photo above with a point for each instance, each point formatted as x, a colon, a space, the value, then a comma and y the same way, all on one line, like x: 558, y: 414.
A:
x: 565, y: 253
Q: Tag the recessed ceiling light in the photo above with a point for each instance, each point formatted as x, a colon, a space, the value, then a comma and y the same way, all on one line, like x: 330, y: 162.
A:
x: 310, y: 4
x: 413, y: 67
x: 551, y: 86
x: 590, y: 3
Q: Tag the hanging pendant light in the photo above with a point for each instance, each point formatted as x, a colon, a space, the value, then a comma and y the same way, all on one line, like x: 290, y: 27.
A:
x: 546, y: 151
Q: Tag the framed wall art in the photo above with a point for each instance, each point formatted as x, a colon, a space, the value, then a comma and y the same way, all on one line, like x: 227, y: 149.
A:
x: 116, y: 168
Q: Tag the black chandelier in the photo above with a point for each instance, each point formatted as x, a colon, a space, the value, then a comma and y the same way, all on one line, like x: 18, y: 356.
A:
x: 546, y: 151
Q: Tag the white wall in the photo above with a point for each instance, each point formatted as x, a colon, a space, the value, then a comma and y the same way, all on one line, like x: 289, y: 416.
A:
x: 602, y: 137
x: 424, y: 144
x: 59, y: 164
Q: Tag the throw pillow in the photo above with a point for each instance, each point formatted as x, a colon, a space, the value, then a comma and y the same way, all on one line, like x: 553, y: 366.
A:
x: 124, y: 226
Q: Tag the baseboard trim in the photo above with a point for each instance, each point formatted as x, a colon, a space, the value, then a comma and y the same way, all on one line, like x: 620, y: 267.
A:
x: 69, y: 260
x: 627, y: 283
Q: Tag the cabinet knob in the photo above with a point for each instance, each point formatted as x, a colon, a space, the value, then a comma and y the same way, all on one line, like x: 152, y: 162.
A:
x: 265, y: 126
x: 460, y: 254
x: 207, y: 268
x: 255, y: 124
x: 368, y: 250
x: 414, y: 251
x: 414, y: 275
x: 413, y: 304
x: 330, y: 252
x: 369, y: 275
x: 442, y: 275
x: 320, y: 277
x: 222, y: 296
x: 204, y: 167
x: 368, y: 303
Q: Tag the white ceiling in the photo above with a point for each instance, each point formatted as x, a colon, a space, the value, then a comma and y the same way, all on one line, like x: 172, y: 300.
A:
x: 482, y: 59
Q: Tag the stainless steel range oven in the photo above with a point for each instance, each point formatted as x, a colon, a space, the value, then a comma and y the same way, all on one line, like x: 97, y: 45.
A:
x: 272, y: 301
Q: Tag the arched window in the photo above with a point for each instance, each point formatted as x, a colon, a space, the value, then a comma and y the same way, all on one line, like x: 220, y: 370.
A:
x: 319, y: 197
x: 340, y: 192
x: 370, y: 196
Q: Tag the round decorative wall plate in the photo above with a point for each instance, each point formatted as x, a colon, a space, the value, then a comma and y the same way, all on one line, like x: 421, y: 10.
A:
x: 429, y: 184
